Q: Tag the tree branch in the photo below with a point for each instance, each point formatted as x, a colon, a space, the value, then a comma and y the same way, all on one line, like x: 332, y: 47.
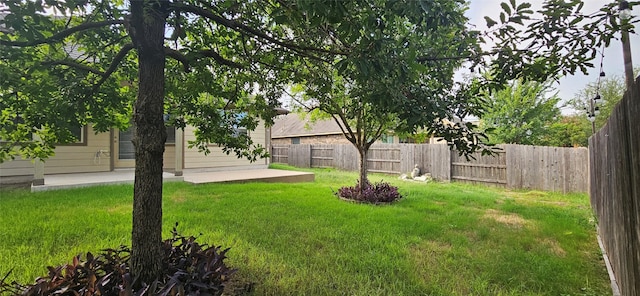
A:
x: 88, y: 55
x: 76, y: 65
x: 112, y: 68
x: 62, y: 34
x: 349, y: 132
x: 244, y: 28
x: 178, y: 56
x: 470, y: 57
x: 451, y: 58
x: 185, y: 60
x: 210, y: 53
x: 376, y: 135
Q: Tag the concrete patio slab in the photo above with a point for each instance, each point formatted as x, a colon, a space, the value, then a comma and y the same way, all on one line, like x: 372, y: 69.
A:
x: 243, y: 176
x: 62, y: 181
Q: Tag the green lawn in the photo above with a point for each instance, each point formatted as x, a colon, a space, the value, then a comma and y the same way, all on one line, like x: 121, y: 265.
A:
x: 299, y: 239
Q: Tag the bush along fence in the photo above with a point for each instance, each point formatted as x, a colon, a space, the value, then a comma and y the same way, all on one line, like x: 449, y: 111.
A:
x: 615, y: 189
x: 516, y: 166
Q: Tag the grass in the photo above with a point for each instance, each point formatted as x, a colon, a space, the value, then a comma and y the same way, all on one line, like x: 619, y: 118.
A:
x: 299, y: 239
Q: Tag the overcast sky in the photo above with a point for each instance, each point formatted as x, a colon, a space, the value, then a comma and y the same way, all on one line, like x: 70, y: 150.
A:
x: 570, y: 85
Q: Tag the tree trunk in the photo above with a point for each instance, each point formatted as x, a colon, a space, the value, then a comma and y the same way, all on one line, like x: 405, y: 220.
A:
x: 363, y: 166
x: 147, y: 32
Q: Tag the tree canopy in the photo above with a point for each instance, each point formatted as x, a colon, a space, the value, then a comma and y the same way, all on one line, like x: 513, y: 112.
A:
x: 80, y: 67
x: 106, y: 63
x: 522, y: 113
x: 397, y: 76
x: 568, y: 131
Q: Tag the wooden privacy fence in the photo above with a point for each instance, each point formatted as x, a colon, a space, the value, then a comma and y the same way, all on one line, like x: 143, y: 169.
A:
x: 615, y: 189
x: 516, y: 166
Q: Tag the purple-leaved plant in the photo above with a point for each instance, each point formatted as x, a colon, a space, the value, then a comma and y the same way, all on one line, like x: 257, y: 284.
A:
x: 381, y: 192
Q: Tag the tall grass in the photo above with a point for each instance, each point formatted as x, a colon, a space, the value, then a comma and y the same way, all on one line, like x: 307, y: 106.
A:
x: 299, y: 239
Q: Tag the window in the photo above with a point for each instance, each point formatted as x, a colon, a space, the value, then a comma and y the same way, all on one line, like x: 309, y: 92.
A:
x: 386, y: 139
x: 80, y: 133
x: 171, y: 130
x: 295, y: 140
x: 125, y: 146
x: 239, y: 130
x: 171, y: 135
x: 234, y: 126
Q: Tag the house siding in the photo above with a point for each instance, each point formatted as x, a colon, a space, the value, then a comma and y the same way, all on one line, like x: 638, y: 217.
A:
x: 81, y: 159
x: 193, y: 159
x: 169, y: 158
x: 67, y: 159
x: 17, y: 171
x: 96, y: 156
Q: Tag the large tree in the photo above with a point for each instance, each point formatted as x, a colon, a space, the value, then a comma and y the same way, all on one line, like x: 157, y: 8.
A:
x: 521, y: 113
x: 569, y: 131
x: 65, y: 64
x: 398, y: 75
x: 104, y: 62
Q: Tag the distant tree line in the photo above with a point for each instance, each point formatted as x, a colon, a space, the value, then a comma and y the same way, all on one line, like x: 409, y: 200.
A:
x: 529, y: 113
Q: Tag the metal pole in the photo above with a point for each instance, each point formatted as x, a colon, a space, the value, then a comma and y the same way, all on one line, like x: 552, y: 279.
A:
x: 625, y: 10
x: 626, y: 52
x: 593, y: 122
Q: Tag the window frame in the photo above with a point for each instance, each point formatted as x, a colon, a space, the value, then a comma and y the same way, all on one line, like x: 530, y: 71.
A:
x: 173, y: 129
x: 387, y: 139
x: 83, y: 138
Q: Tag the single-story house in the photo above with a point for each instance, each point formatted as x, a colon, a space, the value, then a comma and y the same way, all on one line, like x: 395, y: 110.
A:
x: 109, y: 151
x: 104, y: 152
x: 295, y: 129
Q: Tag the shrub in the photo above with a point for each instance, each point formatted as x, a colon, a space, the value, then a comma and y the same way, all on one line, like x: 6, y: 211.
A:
x: 377, y: 193
x: 189, y: 268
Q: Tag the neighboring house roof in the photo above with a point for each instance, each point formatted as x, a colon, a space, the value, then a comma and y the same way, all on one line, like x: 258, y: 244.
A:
x: 71, y: 50
x: 3, y: 27
x: 291, y: 125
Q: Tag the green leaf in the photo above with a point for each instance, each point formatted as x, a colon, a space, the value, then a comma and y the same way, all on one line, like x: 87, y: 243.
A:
x: 505, y: 7
x: 517, y: 19
x: 524, y: 5
x: 576, y: 20
x: 490, y: 22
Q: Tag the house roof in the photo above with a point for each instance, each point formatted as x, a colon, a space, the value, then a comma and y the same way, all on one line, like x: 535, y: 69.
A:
x: 3, y: 26
x: 293, y: 125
